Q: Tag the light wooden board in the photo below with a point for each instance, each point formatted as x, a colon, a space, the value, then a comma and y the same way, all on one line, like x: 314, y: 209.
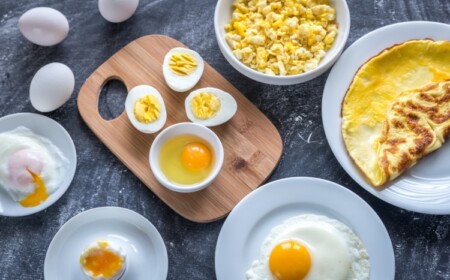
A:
x: 251, y: 143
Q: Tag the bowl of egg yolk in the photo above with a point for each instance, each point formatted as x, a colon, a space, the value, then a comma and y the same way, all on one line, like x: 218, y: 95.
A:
x: 186, y: 157
x: 281, y: 42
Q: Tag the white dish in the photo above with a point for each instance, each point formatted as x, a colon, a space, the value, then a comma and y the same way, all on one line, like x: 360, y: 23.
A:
x: 424, y: 188
x: 52, y: 130
x: 252, y: 219
x: 146, y: 252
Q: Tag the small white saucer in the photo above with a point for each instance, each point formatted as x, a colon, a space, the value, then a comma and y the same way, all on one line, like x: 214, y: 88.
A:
x: 146, y: 252
x: 52, y: 130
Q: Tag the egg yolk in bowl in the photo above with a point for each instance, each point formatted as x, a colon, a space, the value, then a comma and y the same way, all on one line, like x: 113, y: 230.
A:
x: 186, y: 159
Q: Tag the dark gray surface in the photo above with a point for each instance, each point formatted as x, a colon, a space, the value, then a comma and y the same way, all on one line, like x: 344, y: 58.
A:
x: 421, y: 242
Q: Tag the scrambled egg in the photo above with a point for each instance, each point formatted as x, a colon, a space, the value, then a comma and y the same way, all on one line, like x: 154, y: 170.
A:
x: 147, y: 109
x: 284, y: 37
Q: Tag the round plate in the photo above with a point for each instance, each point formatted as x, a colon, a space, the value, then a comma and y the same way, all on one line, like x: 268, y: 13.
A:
x: 53, y: 131
x: 252, y: 219
x: 424, y: 188
x: 146, y: 252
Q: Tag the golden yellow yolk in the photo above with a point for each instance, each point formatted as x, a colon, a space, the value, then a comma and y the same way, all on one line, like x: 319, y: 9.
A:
x: 182, y: 64
x: 40, y: 193
x: 205, y: 105
x: 196, y: 156
x: 147, y: 109
x: 289, y: 260
x: 102, y: 261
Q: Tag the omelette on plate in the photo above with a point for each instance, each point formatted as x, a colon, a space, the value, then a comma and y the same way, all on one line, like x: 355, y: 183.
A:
x: 397, y: 108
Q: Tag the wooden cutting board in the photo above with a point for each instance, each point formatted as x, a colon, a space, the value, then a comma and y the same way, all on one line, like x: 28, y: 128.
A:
x: 251, y: 143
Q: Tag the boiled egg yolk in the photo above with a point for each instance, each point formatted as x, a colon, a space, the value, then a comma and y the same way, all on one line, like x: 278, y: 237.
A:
x: 196, y: 156
x: 102, y: 261
x: 289, y: 260
x: 182, y: 64
x: 205, y: 105
x: 147, y: 109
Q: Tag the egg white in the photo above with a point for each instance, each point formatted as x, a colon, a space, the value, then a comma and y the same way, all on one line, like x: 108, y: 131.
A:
x: 182, y: 83
x: 134, y: 95
x: 55, y: 164
x: 228, y: 107
x: 336, y: 252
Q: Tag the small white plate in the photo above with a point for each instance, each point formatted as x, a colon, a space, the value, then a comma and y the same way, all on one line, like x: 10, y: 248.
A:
x: 146, y: 252
x: 424, y: 188
x: 53, y: 131
x: 249, y: 223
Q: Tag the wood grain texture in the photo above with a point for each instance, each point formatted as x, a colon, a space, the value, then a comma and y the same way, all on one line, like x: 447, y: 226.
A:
x: 251, y: 143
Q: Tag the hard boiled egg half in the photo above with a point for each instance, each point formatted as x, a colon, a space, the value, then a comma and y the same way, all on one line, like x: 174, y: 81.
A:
x: 182, y: 69
x: 145, y: 109
x: 210, y: 106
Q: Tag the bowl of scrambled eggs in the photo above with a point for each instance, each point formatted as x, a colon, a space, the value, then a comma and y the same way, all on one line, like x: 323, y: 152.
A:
x: 281, y: 42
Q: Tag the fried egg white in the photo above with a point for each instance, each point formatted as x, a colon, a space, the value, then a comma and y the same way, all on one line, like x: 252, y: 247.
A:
x: 311, y: 247
x: 31, y: 166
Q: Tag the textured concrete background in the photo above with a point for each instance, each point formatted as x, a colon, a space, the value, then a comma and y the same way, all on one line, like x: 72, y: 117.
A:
x: 421, y: 242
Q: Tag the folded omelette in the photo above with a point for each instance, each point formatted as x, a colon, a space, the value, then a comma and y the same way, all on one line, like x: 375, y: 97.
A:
x: 397, y: 108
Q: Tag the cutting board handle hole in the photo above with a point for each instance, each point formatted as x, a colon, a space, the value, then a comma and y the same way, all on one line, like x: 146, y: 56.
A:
x: 111, y: 102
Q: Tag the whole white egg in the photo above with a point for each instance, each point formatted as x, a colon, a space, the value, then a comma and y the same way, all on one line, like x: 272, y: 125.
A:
x: 51, y: 87
x: 145, y: 109
x: 210, y: 106
x: 117, y: 10
x: 44, y: 26
x: 311, y: 247
x: 175, y: 61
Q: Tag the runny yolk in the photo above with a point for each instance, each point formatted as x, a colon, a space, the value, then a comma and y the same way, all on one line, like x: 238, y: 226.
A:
x: 40, y: 193
x: 289, y: 260
x: 102, y: 262
x: 196, y: 156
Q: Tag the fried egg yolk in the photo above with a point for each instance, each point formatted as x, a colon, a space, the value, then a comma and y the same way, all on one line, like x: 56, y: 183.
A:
x: 196, y: 156
x: 147, y: 109
x: 205, y: 105
x: 182, y: 64
x: 289, y: 260
x: 102, y: 261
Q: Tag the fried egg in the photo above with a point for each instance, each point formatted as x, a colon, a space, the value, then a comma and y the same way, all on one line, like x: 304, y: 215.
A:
x: 375, y: 86
x: 31, y: 166
x: 210, y: 106
x: 182, y: 69
x: 146, y: 109
x: 311, y: 247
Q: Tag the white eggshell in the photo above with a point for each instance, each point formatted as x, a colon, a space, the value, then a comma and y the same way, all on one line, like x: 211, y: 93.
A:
x: 228, y: 107
x: 134, y: 95
x: 117, y: 10
x: 182, y: 83
x: 44, y: 26
x: 51, y: 87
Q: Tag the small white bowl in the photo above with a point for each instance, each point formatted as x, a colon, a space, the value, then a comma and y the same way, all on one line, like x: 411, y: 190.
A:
x: 186, y: 128
x: 222, y: 16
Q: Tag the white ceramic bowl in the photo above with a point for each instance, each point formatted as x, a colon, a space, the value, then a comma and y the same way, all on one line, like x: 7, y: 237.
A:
x: 186, y: 128
x: 222, y: 17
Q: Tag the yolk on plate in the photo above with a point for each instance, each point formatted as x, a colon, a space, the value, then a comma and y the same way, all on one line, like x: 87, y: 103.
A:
x: 182, y: 64
x: 147, y: 109
x: 186, y: 159
x: 205, y: 105
x: 102, y: 262
x: 289, y: 260
x: 40, y: 193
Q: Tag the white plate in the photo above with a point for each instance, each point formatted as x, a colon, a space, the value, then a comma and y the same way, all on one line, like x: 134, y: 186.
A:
x: 146, y: 252
x: 53, y: 131
x: 249, y: 223
x: 424, y: 188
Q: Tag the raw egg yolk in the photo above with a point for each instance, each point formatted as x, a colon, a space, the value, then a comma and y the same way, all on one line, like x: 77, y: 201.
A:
x: 147, y: 109
x: 205, y: 105
x: 196, y: 156
x: 182, y: 64
x: 289, y: 260
x: 40, y: 193
x: 102, y: 262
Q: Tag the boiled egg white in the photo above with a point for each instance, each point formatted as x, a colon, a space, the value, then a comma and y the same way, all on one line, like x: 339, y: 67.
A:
x: 44, y: 26
x: 182, y: 69
x: 31, y: 166
x: 51, y: 87
x: 117, y: 10
x: 146, y: 109
x: 311, y: 247
x: 210, y: 106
